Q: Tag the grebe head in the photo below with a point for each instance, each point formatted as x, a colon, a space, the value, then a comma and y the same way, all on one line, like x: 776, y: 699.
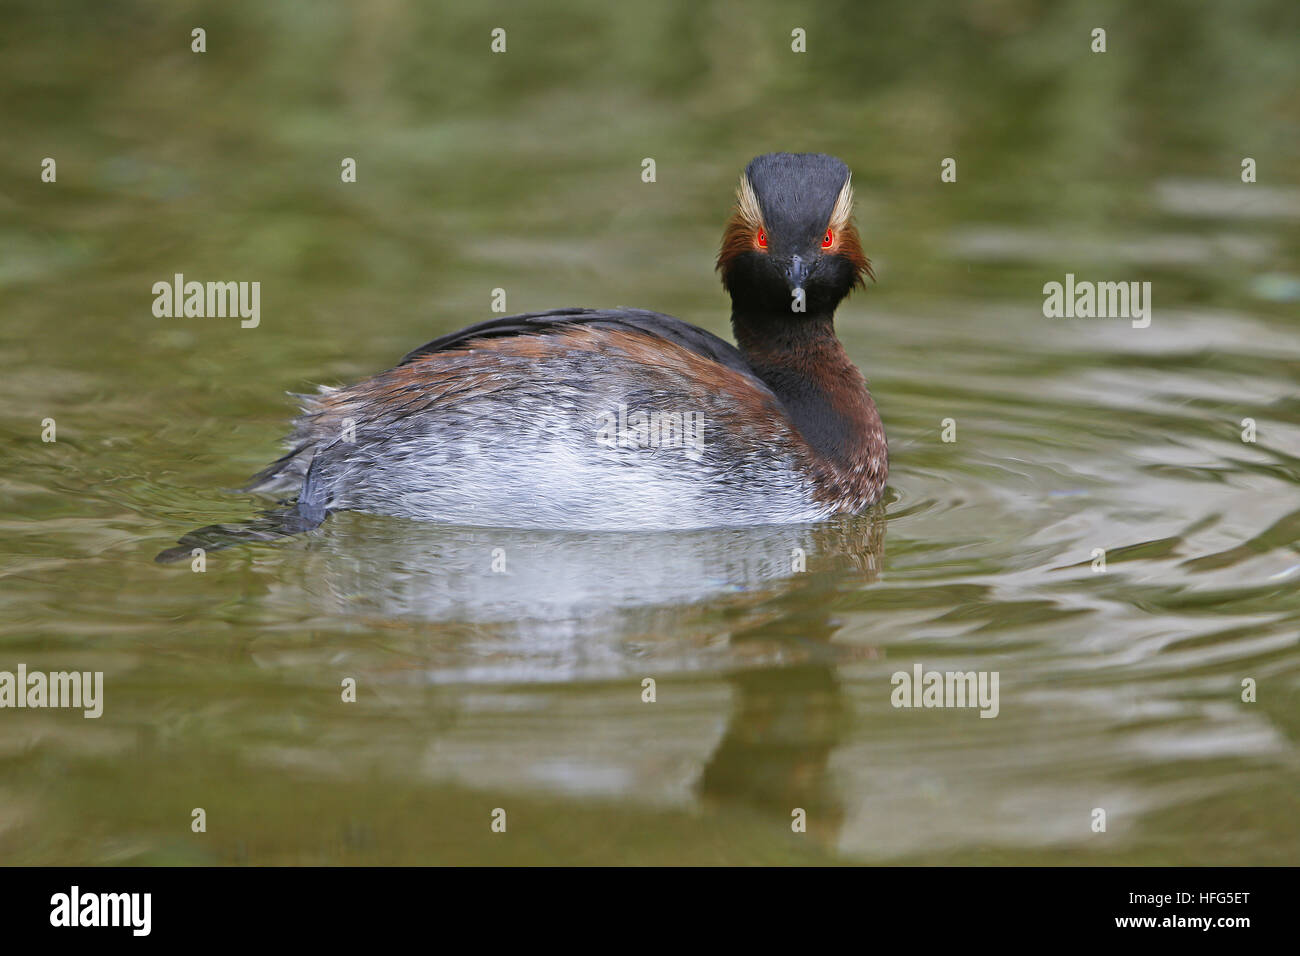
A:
x: 791, y: 247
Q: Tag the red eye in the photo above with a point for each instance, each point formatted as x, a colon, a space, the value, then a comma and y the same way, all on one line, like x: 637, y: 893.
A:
x: 827, y: 240
x: 762, y: 239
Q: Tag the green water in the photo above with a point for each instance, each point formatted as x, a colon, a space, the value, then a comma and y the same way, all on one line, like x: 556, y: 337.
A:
x: 1119, y: 690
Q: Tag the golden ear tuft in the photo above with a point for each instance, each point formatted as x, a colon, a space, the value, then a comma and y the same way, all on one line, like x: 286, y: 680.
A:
x: 747, y: 204
x: 843, y: 211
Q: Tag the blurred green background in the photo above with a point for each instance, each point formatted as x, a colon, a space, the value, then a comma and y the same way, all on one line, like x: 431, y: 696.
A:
x: 522, y: 171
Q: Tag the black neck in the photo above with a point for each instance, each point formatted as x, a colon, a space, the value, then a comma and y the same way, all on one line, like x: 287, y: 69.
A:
x: 799, y: 357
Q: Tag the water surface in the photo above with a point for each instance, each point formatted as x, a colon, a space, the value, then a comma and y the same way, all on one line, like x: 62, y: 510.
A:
x: 479, y: 689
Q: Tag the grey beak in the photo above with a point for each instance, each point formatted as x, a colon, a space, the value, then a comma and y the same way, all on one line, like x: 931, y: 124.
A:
x: 797, y: 272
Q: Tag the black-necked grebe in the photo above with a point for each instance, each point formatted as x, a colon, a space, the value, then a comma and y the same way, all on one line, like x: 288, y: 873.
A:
x: 621, y: 418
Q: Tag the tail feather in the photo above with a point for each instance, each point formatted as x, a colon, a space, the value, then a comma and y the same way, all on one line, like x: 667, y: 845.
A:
x: 288, y: 471
x: 279, y: 472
